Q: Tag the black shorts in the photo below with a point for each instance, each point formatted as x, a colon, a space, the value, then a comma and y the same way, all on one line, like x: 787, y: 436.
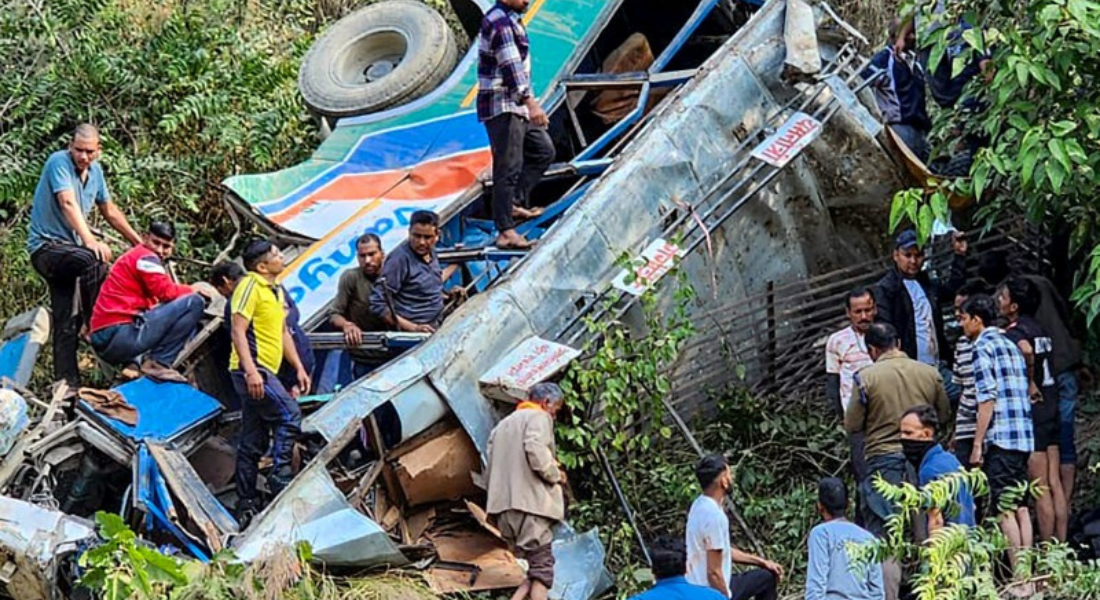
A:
x: 1004, y: 469
x: 1045, y: 420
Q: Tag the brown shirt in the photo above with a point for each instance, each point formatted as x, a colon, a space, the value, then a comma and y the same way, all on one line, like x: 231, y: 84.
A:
x: 522, y: 472
x: 353, y: 303
x: 882, y: 394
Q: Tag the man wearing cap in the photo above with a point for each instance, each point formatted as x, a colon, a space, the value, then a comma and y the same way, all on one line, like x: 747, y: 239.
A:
x: 524, y: 485
x: 907, y: 298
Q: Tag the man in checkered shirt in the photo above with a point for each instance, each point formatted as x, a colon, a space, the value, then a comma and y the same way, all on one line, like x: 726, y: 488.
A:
x: 1004, y: 438
x: 514, y: 119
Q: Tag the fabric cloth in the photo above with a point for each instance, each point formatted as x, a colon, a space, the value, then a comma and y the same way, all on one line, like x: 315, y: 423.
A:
x: 1067, y: 409
x: 1045, y: 416
x: 1000, y: 376
x: 415, y: 285
x: 540, y: 564
x: 757, y: 584
x: 522, y: 471
x: 829, y: 575
x: 894, y: 305
x: 261, y: 302
x: 922, y: 319
x: 875, y: 508
x: 521, y: 154
x: 964, y: 449
x: 110, y: 403
x: 70, y: 272
x: 59, y: 174
x: 845, y: 355
x: 136, y: 283
x: 708, y: 528
x: 503, y: 64
x: 353, y: 303
x: 1054, y: 316
x: 524, y: 530
x: 160, y: 332
x: 276, y: 413
x: 900, y: 91
x: 678, y: 588
x: 883, y: 392
x: 938, y: 463
x: 966, y: 418
x: 1004, y: 469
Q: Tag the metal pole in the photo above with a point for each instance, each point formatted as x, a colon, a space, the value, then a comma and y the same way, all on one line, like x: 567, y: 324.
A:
x: 624, y: 503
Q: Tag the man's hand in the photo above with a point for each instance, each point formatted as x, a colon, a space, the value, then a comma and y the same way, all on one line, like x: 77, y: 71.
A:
x: 101, y: 250
x: 304, y: 382
x: 1034, y: 393
x: 976, y: 456
x: 457, y: 293
x: 775, y: 568
x: 353, y: 336
x: 255, y: 384
x: 959, y: 244
x: 536, y: 113
x: 422, y: 328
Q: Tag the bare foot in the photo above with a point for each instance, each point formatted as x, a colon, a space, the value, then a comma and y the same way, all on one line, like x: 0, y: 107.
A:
x: 526, y: 214
x: 510, y: 240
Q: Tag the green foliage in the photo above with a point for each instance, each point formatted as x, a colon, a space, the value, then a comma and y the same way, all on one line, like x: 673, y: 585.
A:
x: 1042, y: 121
x: 122, y: 568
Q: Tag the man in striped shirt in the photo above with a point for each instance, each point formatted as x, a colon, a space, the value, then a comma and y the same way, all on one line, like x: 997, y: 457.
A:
x: 966, y: 417
x: 1004, y: 438
x: 514, y: 119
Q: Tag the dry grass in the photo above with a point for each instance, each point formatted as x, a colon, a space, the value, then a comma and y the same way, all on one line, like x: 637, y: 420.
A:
x: 869, y: 16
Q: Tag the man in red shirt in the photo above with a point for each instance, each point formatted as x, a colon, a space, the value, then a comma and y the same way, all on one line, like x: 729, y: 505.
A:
x: 141, y: 311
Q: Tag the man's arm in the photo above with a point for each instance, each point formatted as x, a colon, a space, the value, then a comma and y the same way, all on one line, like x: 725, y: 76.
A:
x: 117, y: 220
x: 537, y: 443
x: 70, y: 209
x: 985, y: 392
x: 744, y: 558
x: 855, y: 415
x: 1029, y: 359
x: 239, y: 335
x: 985, y: 417
x: 353, y: 335
x: 394, y: 272
x: 512, y: 71
x: 817, y: 570
x: 157, y: 283
x: 716, y: 573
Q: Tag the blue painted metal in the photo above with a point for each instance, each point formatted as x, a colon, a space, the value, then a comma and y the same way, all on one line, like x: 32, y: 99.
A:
x: 165, y: 410
x: 697, y: 18
x: 152, y: 497
x: 11, y: 356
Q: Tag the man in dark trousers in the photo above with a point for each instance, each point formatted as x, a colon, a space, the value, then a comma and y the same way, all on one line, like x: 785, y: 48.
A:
x: 514, y: 119
x: 909, y: 300
x: 899, y: 91
x: 61, y: 244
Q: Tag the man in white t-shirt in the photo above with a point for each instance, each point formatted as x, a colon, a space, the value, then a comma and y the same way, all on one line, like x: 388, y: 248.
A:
x: 845, y: 355
x: 710, y: 555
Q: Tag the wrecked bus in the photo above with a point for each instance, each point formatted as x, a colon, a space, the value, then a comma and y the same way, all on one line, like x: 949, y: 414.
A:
x: 734, y: 148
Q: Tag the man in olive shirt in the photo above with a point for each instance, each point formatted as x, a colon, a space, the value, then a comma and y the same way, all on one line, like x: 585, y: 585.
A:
x: 883, y: 393
x: 351, y: 312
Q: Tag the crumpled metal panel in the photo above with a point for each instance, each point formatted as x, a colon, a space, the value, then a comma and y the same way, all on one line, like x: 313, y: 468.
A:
x: 575, y: 555
x: 34, y: 538
x: 316, y: 512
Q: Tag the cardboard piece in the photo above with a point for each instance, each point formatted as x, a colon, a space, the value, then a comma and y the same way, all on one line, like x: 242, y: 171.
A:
x: 496, y: 567
x: 483, y: 519
x: 439, y: 470
x: 533, y: 361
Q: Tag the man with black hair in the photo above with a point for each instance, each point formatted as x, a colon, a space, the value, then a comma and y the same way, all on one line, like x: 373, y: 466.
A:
x: 899, y: 90
x: 669, y: 559
x: 883, y: 392
x: 1019, y: 299
x: 63, y: 249
x: 909, y: 300
x: 829, y: 575
x: 1003, y: 439
x: 261, y: 342
x: 409, y: 295
x: 351, y: 312
x: 141, y: 311
x: 845, y: 355
x: 1054, y: 316
x: 966, y: 417
x: 918, y: 442
x: 710, y: 552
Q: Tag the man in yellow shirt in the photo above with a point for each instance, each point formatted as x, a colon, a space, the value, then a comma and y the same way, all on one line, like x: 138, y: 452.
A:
x: 261, y: 341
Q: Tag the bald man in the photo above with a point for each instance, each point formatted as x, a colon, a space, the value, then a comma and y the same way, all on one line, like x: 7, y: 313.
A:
x: 61, y: 244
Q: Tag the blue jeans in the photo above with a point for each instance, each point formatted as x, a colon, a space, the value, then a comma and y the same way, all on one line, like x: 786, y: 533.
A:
x: 1067, y: 408
x: 875, y: 507
x: 275, y: 413
x: 161, y: 333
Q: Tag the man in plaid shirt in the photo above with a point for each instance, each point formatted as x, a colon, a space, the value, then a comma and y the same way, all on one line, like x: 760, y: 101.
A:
x: 513, y: 118
x: 1004, y: 438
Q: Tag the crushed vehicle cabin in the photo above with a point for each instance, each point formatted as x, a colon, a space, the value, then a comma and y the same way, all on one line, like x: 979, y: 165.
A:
x: 682, y: 135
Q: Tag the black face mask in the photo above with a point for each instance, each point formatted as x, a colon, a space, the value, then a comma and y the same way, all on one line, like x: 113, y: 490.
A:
x: 916, y: 449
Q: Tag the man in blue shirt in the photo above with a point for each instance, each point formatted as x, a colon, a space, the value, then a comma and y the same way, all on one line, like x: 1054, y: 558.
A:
x: 829, y: 575
x: 669, y: 557
x: 918, y: 442
x: 899, y: 91
x: 61, y: 244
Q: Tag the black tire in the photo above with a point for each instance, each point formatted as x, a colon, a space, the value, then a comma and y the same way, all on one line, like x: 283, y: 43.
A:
x: 379, y: 56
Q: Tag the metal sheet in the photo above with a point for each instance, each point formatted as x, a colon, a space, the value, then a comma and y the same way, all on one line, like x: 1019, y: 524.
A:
x: 35, y: 538
x: 531, y: 362
x: 312, y: 509
x: 579, y: 571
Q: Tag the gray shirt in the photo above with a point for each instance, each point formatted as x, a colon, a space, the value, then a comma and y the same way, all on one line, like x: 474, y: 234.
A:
x: 59, y: 174
x: 415, y: 285
x: 828, y: 575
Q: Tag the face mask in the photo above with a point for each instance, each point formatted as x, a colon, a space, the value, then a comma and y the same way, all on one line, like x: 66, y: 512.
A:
x: 916, y: 449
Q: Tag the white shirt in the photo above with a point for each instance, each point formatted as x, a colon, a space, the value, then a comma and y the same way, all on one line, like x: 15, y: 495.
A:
x: 708, y: 528
x: 845, y: 355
